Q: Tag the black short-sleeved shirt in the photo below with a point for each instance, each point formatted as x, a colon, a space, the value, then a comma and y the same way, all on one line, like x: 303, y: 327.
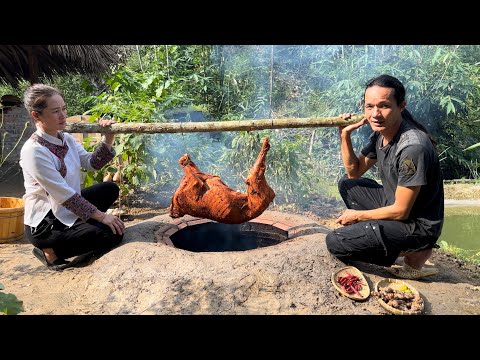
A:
x: 410, y: 159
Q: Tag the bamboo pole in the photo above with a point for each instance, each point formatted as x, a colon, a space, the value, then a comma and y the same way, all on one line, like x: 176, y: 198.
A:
x: 211, y: 126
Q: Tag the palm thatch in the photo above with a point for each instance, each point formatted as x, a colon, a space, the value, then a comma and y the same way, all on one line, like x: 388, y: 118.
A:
x: 29, y: 62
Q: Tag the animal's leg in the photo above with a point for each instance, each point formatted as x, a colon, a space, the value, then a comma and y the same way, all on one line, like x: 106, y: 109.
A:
x: 258, y: 169
x: 197, y: 184
x: 189, y: 167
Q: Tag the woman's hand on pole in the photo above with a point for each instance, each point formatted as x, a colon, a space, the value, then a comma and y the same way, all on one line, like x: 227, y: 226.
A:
x: 109, y: 137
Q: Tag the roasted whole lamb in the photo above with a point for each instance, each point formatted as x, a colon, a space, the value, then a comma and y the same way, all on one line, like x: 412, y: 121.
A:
x: 206, y: 196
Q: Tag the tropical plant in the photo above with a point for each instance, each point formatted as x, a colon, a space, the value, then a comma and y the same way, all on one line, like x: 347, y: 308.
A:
x: 470, y: 256
x: 9, y: 304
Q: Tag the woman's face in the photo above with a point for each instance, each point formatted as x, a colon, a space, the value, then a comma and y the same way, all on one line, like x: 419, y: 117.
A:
x: 54, y: 117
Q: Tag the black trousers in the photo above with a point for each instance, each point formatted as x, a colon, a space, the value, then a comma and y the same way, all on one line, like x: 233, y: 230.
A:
x: 376, y: 241
x: 82, y: 237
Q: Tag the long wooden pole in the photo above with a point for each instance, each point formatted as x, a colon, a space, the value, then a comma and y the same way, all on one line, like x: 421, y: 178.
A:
x: 211, y: 126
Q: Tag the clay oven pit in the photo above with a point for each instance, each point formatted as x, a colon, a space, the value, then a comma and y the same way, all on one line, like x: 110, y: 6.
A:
x: 204, y: 235
x: 277, y: 263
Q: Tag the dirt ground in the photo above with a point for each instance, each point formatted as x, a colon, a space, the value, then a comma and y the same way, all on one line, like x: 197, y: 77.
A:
x: 464, y: 278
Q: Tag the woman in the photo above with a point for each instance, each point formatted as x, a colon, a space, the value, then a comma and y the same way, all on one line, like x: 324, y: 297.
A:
x: 61, y: 220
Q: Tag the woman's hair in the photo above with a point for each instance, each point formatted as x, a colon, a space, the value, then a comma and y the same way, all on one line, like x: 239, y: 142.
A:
x: 391, y: 82
x: 36, y: 96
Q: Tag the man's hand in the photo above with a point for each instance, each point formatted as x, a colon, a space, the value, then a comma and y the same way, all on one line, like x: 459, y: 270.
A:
x: 347, y: 129
x: 348, y: 217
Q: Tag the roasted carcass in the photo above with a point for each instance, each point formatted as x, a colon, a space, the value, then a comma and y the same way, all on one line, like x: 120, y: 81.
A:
x: 206, y: 196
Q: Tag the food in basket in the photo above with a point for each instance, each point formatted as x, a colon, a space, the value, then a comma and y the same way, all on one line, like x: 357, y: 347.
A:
x: 351, y: 284
x: 402, y: 299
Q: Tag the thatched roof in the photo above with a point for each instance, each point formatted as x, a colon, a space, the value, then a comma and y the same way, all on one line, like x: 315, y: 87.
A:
x: 28, y: 62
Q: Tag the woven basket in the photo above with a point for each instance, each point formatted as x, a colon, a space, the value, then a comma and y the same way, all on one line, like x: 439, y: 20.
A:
x: 11, y: 219
x: 396, y: 284
x: 364, y: 292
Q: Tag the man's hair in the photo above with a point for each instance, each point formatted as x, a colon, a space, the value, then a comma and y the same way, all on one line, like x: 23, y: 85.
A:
x: 388, y: 81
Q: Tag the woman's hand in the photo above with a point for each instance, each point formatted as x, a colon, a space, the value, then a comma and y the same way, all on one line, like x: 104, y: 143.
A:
x: 109, y: 137
x: 106, y: 122
x: 117, y: 225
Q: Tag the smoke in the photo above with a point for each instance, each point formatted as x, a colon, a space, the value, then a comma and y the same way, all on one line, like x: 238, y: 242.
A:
x: 263, y: 81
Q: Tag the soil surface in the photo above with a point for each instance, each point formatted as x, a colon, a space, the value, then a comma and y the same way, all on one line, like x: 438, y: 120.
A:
x: 142, y: 272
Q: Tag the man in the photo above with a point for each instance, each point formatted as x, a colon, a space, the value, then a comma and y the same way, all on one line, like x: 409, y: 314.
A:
x: 404, y: 215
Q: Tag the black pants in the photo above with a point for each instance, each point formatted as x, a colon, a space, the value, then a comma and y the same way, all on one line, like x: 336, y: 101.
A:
x: 376, y: 241
x: 81, y: 237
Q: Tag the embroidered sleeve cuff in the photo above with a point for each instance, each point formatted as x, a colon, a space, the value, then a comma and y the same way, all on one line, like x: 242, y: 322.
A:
x: 101, y: 156
x: 80, y: 206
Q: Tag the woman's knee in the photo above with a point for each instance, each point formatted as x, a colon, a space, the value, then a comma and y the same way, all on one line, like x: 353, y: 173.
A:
x: 102, y: 195
x: 111, y: 188
x: 117, y: 239
x: 110, y: 192
x: 108, y: 242
x: 111, y: 239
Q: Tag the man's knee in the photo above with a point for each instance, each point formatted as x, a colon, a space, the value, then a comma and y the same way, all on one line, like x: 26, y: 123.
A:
x: 332, y: 243
x: 342, y: 183
x: 335, y: 247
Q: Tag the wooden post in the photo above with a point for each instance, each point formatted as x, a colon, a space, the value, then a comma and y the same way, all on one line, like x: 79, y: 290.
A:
x: 212, y: 126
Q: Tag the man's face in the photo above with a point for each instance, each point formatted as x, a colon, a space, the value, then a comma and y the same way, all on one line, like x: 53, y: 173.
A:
x: 381, y: 109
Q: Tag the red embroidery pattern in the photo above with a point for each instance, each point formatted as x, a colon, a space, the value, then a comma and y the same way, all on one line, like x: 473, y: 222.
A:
x: 80, y: 206
x: 58, y: 150
x: 101, y: 156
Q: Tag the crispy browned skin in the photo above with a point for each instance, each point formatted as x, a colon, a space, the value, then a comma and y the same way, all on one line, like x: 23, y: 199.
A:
x: 206, y: 196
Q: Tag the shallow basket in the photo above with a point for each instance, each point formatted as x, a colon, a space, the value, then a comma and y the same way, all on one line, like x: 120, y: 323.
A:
x: 396, y: 284
x: 11, y: 219
x: 364, y: 292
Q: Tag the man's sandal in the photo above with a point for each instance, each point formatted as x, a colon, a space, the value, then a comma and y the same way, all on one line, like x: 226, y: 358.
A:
x: 407, y: 272
x: 57, y: 265
x: 400, y: 261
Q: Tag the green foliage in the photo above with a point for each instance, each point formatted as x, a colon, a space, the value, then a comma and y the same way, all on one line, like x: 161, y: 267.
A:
x: 248, y: 82
x: 285, y: 163
x: 9, y: 304
x: 76, y: 89
x: 143, y: 95
x: 472, y: 147
x: 10, y: 90
x: 442, y: 86
x: 469, y: 256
